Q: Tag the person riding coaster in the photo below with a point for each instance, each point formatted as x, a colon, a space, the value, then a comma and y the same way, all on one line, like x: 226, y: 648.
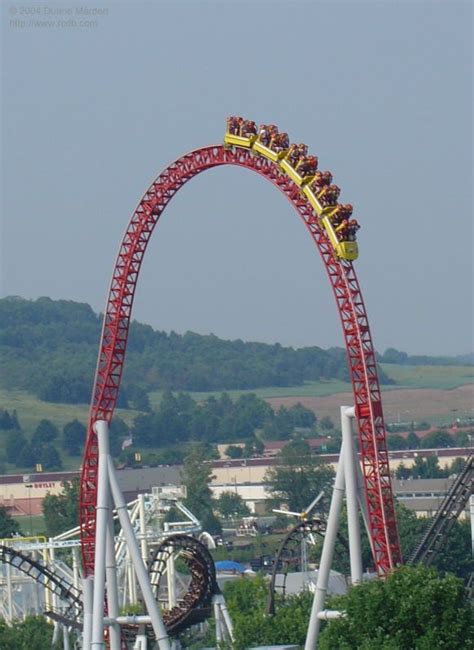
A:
x: 307, y: 166
x: 233, y: 124
x: 296, y: 152
x: 266, y: 132
x: 321, y: 180
x: 341, y: 212
x: 248, y: 128
x: 329, y: 195
x: 347, y: 229
x: 280, y: 142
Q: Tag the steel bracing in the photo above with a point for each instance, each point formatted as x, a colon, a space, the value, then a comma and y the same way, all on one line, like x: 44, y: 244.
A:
x: 355, y: 326
x: 448, y: 512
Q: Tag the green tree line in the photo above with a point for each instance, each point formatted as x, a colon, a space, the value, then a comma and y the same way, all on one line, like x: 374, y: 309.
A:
x: 49, y: 348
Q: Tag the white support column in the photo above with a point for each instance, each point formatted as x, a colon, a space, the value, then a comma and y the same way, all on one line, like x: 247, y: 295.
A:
x: 8, y: 570
x: 227, y: 625
x: 66, y: 644
x: 327, y: 554
x: 112, y: 590
x: 131, y: 581
x: 471, y: 510
x: 171, y: 581
x: 75, y: 576
x: 140, y: 569
x: 102, y: 513
x: 48, y: 605
x: 87, y: 598
x: 350, y: 460
x: 143, y: 540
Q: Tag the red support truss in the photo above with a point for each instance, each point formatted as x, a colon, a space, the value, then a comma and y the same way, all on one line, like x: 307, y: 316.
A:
x: 355, y: 325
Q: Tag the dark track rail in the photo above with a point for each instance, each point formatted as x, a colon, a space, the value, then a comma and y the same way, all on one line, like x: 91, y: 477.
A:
x: 196, y: 604
x: 41, y: 574
x: 438, y: 530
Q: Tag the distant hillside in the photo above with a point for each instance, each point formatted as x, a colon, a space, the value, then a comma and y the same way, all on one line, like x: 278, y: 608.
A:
x: 391, y: 355
x: 49, y: 348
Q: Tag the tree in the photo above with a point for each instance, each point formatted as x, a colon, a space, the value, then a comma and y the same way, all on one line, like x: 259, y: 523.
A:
x: 246, y: 600
x: 414, y: 607
x: 34, y: 633
x: 392, y: 355
x: 402, y: 472
x: 49, y: 457
x: 8, y: 526
x: 437, y: 440
x: 298, y: 476
x: 74, y: 437
x: 197, y: 476
x: 7, y: 421
x: 326, y: 423
x: 457, y: 466
x: 396, y: 441
x: 231, y: 505
x: 15, y: 442
x: 413, y: 442
x: 232, y: 451
x: 119, y: 431
x: 61, y: 511
x: 456, y: 554
x: 427, y: 468
x: 26, y: 457
x: 45, y: 432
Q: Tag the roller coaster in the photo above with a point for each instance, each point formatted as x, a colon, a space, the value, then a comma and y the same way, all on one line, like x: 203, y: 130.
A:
x: 317, y: 186
x: 314, y: 199
x: 290, y: 168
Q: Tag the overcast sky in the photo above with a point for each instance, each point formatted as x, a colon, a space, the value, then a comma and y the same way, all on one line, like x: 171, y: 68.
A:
x: 380, y: 91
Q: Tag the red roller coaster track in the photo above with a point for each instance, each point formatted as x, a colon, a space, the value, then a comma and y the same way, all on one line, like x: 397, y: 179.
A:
x: 360, y: 352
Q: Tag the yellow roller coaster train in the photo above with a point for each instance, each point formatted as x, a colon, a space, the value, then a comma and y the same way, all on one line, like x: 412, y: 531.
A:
x: 302, y: 168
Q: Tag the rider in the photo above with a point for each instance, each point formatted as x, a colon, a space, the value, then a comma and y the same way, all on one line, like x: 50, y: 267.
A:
x: 280, y: 142
x: 321, y: 180
x: 233, y: 124
x: 248, y: 128
x: 296, y: 152
x: 307, y: 166
x: 329, y: 195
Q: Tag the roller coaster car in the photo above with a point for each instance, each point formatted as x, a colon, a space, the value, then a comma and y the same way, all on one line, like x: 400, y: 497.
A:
x: 313, y: 189
x: 270, y: 143
x: 240, y: 132
x: 341, y: 231
x: 303, y: 171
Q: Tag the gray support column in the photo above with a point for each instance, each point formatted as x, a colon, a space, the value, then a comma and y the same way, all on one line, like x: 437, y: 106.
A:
x: 142, y: 575
x: 102, y: 514
x: 87, y: 598
x: 112, y: 589
x: 327, y: 554
x: 350, y: 459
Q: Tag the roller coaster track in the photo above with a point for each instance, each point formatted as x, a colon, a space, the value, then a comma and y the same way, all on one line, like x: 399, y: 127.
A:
x: 360, y: 352
x: 195, y: 605
x: 41, y: 574
x: 448, y: 512
x: 288, y: 556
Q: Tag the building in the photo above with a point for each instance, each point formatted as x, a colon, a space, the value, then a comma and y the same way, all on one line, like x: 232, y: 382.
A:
x: 246, y: 477
x: 23, y: 494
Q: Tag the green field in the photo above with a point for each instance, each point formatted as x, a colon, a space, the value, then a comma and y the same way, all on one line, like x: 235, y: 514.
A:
x: 310, y: 389
x: 31, y: 410
x: 441, y: 377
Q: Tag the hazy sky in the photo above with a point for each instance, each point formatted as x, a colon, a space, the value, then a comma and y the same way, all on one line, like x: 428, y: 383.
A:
x: 380, y: 91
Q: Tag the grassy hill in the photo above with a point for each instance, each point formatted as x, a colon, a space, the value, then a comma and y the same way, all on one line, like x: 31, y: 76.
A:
x: 48, y: 346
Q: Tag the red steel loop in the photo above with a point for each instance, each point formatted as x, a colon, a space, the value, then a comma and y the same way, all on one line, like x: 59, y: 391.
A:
x: 360, y: 352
